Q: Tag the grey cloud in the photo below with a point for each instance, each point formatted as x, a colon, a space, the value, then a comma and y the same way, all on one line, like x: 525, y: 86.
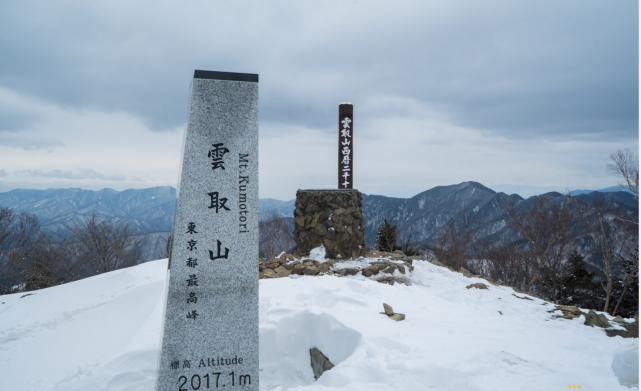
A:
x: 520, y: 69
x: 3, y: 172
x: 13, y: 122
x: 91, y: 174
x: 28, y: 143
x: 50, y: 174
x: 83, y: 173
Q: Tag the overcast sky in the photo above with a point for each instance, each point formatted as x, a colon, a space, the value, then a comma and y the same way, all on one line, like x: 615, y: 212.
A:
x: 522, y: 96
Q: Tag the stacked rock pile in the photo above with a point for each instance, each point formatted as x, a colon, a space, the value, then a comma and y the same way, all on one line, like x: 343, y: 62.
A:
x: 333, y: 218
x: 376, y: 265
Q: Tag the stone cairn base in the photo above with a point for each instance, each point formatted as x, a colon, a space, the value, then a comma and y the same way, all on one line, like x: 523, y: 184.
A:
x: 388, y: 268
x: 333, y: 218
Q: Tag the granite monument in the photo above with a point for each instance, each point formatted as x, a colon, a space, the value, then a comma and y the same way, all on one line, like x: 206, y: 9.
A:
x: 210, y: 333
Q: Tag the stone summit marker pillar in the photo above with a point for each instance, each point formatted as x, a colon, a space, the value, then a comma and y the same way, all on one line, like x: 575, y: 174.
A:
x: 210, y: 333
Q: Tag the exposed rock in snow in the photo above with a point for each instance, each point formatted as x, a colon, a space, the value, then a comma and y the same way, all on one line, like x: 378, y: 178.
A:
x: 598, y: 320
x: 319, y: 362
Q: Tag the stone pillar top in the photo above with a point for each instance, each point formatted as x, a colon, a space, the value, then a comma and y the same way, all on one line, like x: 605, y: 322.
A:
x: 327, y: 190
x: 230, y: 76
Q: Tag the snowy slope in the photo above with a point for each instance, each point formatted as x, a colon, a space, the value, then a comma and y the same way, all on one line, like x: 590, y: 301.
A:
x: 103, y: 333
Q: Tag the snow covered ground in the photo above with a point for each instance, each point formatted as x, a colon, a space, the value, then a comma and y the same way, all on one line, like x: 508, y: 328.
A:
x: 103, y: 333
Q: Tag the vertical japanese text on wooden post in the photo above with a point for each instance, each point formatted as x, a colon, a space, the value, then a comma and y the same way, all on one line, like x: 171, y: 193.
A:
x: 345, y: 146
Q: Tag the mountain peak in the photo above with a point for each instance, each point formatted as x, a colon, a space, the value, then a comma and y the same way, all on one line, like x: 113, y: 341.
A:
x: 477, y: 185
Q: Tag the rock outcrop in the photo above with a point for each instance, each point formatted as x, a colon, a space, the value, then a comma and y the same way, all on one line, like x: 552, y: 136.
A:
x: 478, y: 285
x: 383, y: 267
x: 598, y: 320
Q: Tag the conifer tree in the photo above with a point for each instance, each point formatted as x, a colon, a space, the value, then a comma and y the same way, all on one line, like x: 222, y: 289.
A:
x: 386, y: 237
x: 579, y: 286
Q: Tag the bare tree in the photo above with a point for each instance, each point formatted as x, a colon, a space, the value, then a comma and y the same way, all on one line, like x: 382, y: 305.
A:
x: 625, y: 164
x: 613, y: 237
x: 102, y: 246
x: 451, y: 246
x: 501, y: 261
x: 406, y: 246
x: 456, y: 243
x: 545, y: 226
x: 17, y: 236
x: 51, y: 262
x: 274, y: 235
x: 632, y: 273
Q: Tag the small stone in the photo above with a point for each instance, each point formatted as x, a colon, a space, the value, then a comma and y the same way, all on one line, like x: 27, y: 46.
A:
x: 314, y: 221
x: 299, y: 221
x: 297, y: 269
x: 489, y: 279
x: 478, y: 285
x: 351, y: 272
x: 281, y: 272
x: 397, y: 317
x: 594, y: 319
x: 388, y: 309
x: 437, y: 263
x: 286, y: 257
x: 331, y: 262
x: 311, y: 271
x: 618, y: 319
x: 522, y: 298
x: 367, y: 272
x: 401, y: 268
x: 465, y: 272
x: 323, y: 268
x: 319, y: 362
x: 390, y: 269
x: 500, y: 313
x: 569, y: 311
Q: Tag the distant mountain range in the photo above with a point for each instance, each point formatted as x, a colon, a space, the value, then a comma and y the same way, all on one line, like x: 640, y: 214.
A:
x: 152, y: 210
x: 425, y: 213
x: 611, y: 189
x: 148, y: 210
